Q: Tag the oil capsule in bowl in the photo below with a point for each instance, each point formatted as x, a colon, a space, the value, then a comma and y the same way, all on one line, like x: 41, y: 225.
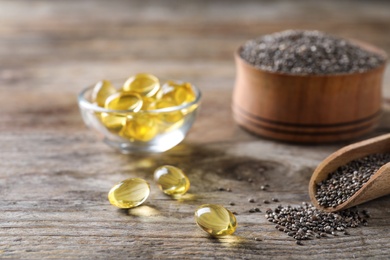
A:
x: 141, y: 127
x: 101, y: 91
x: 115, y: 122
x: 215, y: 220
x: 143, y: 83
x: 177, y: 92
x: 124, y: 101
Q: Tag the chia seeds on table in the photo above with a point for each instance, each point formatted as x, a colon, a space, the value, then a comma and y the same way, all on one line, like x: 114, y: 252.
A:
x: 307, y: 222
x: 348, y: 179
x: 308, y: 52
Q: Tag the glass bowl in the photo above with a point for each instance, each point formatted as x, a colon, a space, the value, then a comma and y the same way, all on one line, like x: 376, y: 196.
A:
x: 143, y: 131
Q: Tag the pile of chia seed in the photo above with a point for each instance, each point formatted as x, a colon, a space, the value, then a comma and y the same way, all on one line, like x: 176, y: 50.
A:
x: 308, y: 53
x: 307, y: 222
x: 348, y: 179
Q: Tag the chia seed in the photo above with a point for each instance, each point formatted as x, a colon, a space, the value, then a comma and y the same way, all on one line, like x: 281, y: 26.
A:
x: 307, y: 222
x: 348, y: 179
x: 308, y: 53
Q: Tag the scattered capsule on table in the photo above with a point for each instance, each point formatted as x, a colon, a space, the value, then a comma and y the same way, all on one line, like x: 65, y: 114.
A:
x: 171, y: 180
x: 129, y: 193
x: 101, y: 91
x: 215, y: 220
x: 141, y: 127
x: 143, y: 84
x: 124, y: 101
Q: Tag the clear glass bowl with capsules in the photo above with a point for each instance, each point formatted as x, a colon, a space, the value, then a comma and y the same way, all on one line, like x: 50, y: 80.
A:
x: 144, y: 115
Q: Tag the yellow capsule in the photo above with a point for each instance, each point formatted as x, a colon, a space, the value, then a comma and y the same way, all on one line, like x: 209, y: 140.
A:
x: 215, y: 220
x: 178, y: 93
x: 148, y: 103
x: 113, y: 122
x: 141, y: 127
x: 101, y: 91
x: 129, y: 193
x: 171, y: 116
x: 143, y: 84
x: 171, y: 180
x: 124, y: 101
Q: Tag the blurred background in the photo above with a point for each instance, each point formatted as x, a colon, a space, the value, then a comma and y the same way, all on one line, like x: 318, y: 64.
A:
x: 50, y: 50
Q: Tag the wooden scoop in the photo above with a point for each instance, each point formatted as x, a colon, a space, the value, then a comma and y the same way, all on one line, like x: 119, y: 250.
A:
x: 379, y: 183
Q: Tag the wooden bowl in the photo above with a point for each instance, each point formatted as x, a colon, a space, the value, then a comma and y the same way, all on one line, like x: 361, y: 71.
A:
x: 307, y: 108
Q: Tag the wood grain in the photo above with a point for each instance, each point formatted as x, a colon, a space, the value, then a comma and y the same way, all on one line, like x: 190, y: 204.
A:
x: 55, y: 175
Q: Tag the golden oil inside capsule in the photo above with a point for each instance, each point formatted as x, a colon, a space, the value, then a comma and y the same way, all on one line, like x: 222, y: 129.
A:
x: 124, y: 101
x: 171, y: 116
x: 171, y: 180
x: 178, y: 93
x: 143, y: 84
x: 113, y: 122
x: 148, y: 103
x: 129, y: 193
x: 101, y: 91
x: 141, y: 127
x: 215, y: 220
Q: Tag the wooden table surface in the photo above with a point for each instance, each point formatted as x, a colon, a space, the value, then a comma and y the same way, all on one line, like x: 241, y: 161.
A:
x: 55, y: 174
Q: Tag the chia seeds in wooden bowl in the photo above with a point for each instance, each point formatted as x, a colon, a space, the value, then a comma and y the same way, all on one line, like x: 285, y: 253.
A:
x: 308, y: 87
x: 308, y: 53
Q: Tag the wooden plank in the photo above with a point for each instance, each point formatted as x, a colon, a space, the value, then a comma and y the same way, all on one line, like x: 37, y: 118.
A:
x: 55, y: 174
x: 55, y: 199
